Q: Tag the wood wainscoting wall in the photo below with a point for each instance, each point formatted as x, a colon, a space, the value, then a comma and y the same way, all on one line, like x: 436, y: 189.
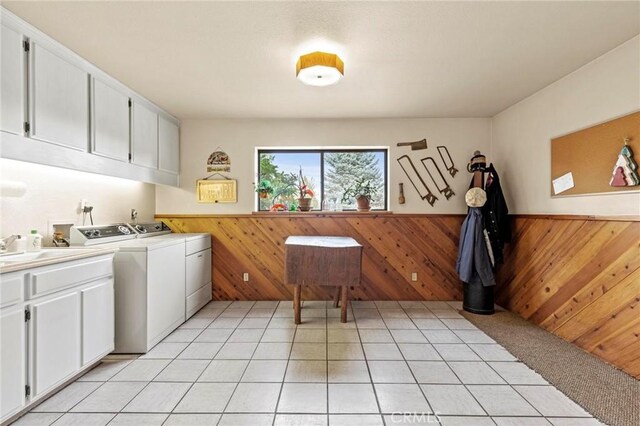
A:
x: 394, y: 246
x: 578, y: 278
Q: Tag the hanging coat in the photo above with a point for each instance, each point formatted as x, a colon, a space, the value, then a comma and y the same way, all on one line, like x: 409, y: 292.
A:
x: 496, y: 215
x: 473, y: 265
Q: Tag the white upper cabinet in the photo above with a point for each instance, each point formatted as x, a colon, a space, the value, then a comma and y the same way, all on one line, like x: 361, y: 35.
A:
x: 144, y: 136
x: 59, y: 100
x: 110, y: 122
x: 13, y: 87
x: 168, y: 146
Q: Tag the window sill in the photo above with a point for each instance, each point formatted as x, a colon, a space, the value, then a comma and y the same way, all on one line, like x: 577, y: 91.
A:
x: 326, y: 213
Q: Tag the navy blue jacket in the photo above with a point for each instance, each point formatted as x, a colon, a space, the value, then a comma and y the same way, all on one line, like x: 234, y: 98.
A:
x: 474, y: 265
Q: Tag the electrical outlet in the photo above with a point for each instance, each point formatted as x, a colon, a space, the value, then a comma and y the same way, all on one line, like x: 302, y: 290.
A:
x: 245, y: 276
x: 414, y: 276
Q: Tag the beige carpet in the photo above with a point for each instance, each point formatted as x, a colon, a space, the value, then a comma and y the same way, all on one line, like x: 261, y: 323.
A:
x: 607, y: 393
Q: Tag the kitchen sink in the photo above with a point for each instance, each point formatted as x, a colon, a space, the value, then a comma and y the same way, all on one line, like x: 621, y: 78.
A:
x: 39, y: 255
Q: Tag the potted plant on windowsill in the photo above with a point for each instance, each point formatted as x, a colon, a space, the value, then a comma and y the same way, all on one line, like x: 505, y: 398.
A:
x: 362, y: 192
x: 306, y: 194
x: 264, y: 188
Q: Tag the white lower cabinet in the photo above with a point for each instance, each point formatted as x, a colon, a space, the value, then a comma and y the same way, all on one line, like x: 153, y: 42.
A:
x: 198, y: 272
x: 97, y: 321
x: 48, y: 337
x: 55, y: 337
x: 13, y: 355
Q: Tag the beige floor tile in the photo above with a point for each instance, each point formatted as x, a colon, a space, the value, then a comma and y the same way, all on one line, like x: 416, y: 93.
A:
x: 476, y: 373
x: 278, y: 335
x: 158, y: 398
x: 212, y: 335
x: 419, y: 352
x: 165, y: 351
x: 267, y: 350
x: 311, y: 335
x: 456, y: 352
x: 501, y: 400
x: 375, y: 336
x: 242, y: 304
x: 135, y: 419
x: 200, y: 351
x: 225, y: 323
x: 266, y: 304
x: 254, y: 398
x: 234, y: 313
x: 260, y: 313
x: 311, y: 322
x: 492, y: 352
x: 458, y: 324
x: 314, y: 304
x: 315, y: 351
x: 356, y: 420
x: 436, y: 372
x: 408, y: 304
x: 224, y: 371
x: 105, y: 370
x: 283, y: 313
x: 192, y: 420
x: 198, y: 322
x: 246, y: 420
x: 255, y: 322
x: 236, y: 351
x: 473, y: 336
x: 345, y: 351
x: 37, y: 419
x: 282, y: 323
x: 521, y: 421
x: 436, y: 304
x: 446, y: 313
x: 343, y: 336
x: 429, y: 324
x: 182, y: 370
x: 420, y: 313
x: 65, y: 399
x: 300, y: 420
x: 366, y: 313
x: 306, y: 371
x: 401, y: 398
x: 352, y: 398
x: 85, y: 419
x: 393, y: 314
x: 369, y: 323
x: 382, y: 351
x: 550, y: 402
x: 441, y: 336
x: 408, y: 336
x: 334, y: 323
x: 303, y: 398
x: 387, y: 304
x: 365, y: 304
x: 265, y: 371
x: 348, y: 372
x: 110, y: 397
x: 452, y: 400
x: 141, y: 370
x: 399, y: 324
x: 466, y: 421
x: 574, y: 421
x: 517, y: 373
x: 390, y: 372
x: 206, y: 398
x: 185, y: 335
x: 246, y: 335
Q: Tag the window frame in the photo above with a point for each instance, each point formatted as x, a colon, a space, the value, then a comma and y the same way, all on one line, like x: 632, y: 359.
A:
x: 322, y: 151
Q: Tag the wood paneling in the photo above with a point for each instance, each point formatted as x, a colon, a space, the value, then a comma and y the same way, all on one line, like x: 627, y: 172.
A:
x: 579, y: 279
x: 394, y: 246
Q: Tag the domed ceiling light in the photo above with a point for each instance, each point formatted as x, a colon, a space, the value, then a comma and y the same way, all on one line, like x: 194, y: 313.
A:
x: 319, y: 69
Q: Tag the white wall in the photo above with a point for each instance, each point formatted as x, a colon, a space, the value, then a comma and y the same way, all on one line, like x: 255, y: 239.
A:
x: 54, y: 194
x: 239, y: 138
x: 603, y: 89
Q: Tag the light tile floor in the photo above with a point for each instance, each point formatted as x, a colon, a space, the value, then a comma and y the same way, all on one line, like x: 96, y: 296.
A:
x: 247, y: 363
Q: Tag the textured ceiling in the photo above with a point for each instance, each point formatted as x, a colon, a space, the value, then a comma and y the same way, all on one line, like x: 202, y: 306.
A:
x: 402, y: 59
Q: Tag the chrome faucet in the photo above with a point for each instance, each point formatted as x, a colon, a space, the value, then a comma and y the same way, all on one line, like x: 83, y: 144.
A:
x: 6, y: 242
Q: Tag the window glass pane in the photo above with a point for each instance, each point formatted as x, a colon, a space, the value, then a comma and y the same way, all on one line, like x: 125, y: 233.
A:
x: 281, y: 169
x: 343, y: 169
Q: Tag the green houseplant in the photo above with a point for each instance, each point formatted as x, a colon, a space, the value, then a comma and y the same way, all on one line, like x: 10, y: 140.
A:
x: 264, y: 188
x: 362, y: 191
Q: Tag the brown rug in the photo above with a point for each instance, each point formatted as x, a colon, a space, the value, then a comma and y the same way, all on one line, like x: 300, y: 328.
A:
x: 609, y: 394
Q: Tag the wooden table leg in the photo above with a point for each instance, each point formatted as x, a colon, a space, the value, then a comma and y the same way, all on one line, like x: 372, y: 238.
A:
x: 345, y: 303
x: 296, y: 303
x: 336, y: 297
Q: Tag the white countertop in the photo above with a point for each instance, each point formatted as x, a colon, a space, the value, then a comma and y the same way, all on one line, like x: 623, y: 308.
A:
x: 53, y: 256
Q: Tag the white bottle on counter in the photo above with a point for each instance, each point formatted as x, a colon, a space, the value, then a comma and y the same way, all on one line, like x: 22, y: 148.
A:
x: 34, y: 241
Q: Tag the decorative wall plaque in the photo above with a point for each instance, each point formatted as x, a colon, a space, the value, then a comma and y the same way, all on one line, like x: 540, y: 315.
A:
x: 217, y: 191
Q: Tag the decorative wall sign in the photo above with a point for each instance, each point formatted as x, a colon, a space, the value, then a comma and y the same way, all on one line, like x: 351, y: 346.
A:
x: 625, y: 171
x: 219, y: 161
x: 217, y: 191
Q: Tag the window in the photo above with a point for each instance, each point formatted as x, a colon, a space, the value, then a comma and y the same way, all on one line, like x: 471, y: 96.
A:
x: 327, y: 172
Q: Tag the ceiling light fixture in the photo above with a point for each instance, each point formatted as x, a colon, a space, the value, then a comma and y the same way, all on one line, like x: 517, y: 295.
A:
x: 319, y: 69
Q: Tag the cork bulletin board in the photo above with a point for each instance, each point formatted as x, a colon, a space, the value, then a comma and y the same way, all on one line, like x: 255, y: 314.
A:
x: 590, y: 154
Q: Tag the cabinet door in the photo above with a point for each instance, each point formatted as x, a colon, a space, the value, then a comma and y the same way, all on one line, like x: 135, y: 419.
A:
x: 168, y: 146
x: 97, y: 321
x: 12, y: 74
x: 60, y: 100
x: 110, y: 122
x: 144, y: 136
x: 13, y: 360
x: 55, y: 338
x: 198, y: 270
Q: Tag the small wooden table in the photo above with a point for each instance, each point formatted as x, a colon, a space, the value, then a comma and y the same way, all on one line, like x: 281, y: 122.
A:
x: 323, y: 261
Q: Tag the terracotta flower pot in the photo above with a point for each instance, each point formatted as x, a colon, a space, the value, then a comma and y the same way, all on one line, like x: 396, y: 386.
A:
x: 364, y: 203
x: 304, y: 204
x: 263, y: 194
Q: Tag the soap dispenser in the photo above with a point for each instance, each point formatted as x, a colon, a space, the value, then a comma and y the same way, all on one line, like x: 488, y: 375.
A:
x: 34, y: 241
